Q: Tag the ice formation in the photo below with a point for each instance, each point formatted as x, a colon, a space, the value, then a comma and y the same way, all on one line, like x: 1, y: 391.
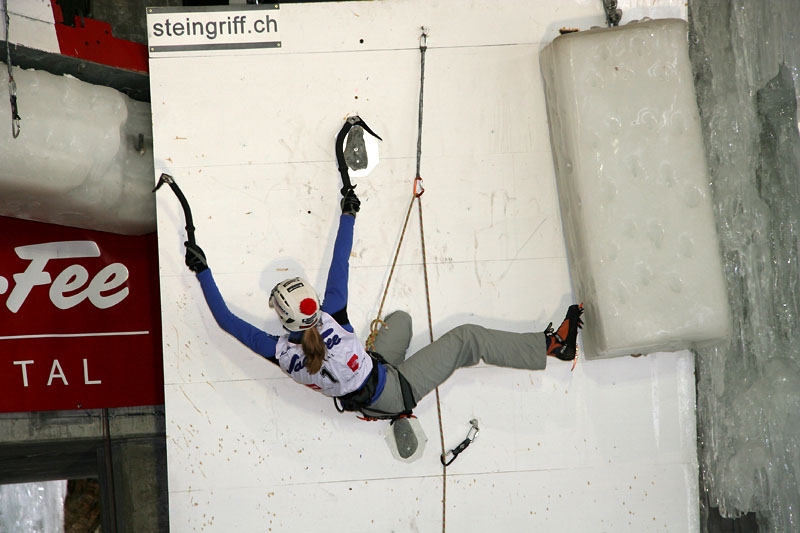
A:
x: 633, y: 188
x: 83, y: 158
x: 746, y: 57
x: 33, y: 507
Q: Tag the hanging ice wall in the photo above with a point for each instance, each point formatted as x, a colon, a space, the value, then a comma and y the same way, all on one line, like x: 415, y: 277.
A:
x: 633, y: 188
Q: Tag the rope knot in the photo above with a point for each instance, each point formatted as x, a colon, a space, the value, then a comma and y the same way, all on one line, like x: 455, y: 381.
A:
x: 374, y: 327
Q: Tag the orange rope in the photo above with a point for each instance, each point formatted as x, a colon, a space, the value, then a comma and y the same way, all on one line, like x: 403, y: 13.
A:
x: 374, y: 325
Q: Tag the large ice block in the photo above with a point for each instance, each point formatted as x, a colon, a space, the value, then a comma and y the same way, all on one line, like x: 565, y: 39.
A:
x: 633, y: 188
x: 83, y: 157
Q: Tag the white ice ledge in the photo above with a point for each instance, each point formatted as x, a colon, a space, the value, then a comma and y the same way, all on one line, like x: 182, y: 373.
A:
x: 83, y: 157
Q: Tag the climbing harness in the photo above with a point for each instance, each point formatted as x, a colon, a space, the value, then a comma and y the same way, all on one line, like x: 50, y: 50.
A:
x: 341, y: 159
x: 12, y: 85
x: 447, y: 458
x: 187, y: 211
x: 360, y: 399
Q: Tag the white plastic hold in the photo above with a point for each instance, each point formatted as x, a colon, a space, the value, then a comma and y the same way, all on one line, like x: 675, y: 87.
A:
x: 406, y: 439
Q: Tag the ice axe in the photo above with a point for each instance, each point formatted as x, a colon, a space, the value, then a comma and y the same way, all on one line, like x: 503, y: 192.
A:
x: 341, y: 160
x: 187, y: 211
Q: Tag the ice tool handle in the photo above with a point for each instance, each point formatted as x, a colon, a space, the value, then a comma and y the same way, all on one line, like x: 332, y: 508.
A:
x: 448, y: 457
x: 343, y: 170
x: 187, y: 211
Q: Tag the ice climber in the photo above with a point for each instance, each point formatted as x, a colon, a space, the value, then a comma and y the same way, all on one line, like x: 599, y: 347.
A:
x: 319, y: 348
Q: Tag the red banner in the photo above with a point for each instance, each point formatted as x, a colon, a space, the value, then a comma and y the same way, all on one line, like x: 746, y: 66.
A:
x: 80, y: 323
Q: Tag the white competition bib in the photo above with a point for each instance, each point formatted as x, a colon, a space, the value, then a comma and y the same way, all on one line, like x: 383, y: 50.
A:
x: 347, y: 364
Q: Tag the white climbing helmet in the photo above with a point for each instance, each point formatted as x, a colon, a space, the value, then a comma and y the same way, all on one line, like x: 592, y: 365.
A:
x: 296, y: 303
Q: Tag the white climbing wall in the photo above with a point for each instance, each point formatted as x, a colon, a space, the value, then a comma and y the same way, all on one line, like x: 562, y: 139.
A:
x: 248, y: 134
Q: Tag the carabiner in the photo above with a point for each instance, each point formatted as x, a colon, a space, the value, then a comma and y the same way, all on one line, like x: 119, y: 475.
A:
x: 472, y: 434
x: 418, y: 180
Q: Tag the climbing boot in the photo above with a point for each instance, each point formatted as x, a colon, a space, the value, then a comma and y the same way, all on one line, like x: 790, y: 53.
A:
x: 562, y: 342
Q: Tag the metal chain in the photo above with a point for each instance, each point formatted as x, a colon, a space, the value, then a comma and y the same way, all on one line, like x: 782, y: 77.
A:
x: 12, y: 85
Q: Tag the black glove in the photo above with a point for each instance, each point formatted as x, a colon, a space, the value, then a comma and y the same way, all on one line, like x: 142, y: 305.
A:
x: 350, y: 202
x: 195, y: 258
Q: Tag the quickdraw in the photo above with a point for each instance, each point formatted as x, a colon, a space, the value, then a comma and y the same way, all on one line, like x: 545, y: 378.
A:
x: 448, y: 457
x: 187, y: 211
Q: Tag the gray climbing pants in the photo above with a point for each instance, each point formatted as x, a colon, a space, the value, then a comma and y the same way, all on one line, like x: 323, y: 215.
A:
x: 462, y: 346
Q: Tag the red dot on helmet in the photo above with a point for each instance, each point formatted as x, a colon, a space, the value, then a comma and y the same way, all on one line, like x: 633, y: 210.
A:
x: 308, y: 306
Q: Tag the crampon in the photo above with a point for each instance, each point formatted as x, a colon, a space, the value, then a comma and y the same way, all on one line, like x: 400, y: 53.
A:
x: 563, y: 342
